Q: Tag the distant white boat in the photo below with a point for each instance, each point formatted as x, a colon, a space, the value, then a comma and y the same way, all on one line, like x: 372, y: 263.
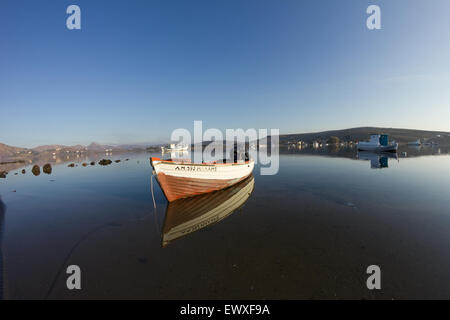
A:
x: 415, y: 143
x: 378, y: 143
x: 179, y: 155
x: 175, y: 147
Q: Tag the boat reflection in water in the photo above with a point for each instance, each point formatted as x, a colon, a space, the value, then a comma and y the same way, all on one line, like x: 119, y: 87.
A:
x: 185, y: 216
x: 377, y: 160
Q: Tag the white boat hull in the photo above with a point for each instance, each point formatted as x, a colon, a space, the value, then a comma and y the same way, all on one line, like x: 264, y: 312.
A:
x: 185, y: 179
x: 168, y: 150
x: 378, y: 148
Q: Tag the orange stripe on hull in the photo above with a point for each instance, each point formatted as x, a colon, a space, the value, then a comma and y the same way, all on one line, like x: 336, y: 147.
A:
x: 180, y: 187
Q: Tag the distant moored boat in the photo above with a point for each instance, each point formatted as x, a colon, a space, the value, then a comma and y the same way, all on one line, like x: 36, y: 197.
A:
x: 415, y: 143
x: 378, y: 143
x: 174, y: 147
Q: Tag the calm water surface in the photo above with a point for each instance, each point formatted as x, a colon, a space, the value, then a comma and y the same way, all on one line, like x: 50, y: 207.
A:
x: 308, y: 232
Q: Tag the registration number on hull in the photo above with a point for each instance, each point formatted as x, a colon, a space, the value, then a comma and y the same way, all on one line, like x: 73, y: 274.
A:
x: 196, y: 169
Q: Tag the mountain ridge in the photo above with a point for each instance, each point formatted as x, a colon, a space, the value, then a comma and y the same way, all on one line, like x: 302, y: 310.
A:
x: 362, y: 133
x: 8, y: 151
x: 351, y: 134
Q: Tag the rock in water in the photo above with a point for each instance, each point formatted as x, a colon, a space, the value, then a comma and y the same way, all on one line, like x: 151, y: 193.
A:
x: 104, y: 162
x: 3, y: 174
x: 36, y: 170
x: 92, y: 163
x: 23, y: 171
x: 84, y: 164
x: 117, y: 161
x: 47, y: 168
x: 71, y: 165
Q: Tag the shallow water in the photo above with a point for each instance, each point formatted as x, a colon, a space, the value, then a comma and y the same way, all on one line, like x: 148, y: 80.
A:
x: 308, y: 232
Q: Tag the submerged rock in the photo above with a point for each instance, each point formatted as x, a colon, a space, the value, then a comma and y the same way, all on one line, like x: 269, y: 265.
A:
x: 104, y: 162
x: 47, y: 168
x: 127, y: 159
x: 71, y: 165
x: 36, y: 170
x: 117, y: 161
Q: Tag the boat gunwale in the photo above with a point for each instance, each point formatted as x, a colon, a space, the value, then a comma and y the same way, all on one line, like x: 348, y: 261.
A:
x: 208, y: 164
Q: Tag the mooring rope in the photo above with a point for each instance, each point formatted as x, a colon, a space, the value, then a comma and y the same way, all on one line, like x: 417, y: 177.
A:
x: 151, y: 187
x: 158, y: 230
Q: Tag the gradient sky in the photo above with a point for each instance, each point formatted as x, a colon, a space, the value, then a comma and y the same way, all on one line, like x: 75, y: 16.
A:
x: 139, y: 69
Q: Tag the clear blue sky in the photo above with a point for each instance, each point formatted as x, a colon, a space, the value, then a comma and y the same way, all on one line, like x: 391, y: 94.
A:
x: 139, y: 69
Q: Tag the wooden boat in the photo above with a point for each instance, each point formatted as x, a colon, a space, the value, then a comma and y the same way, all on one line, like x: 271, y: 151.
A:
x: 182, y: 179
x: 186, y: 216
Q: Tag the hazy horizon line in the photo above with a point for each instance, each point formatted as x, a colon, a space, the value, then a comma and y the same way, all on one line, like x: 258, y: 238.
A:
x: 168, y: 141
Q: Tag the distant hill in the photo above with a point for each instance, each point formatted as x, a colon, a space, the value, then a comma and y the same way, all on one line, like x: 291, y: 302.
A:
x: 49, y: 147
x: 94, y: 146
x: 7, y: 151
x: 354, y: 134
x: 10, y: 151
x: 131, y: 146
x: 363, y: 133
